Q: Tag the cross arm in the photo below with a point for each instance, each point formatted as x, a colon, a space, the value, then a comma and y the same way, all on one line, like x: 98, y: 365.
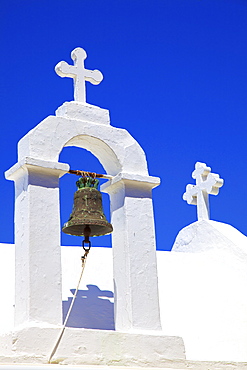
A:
x: 213, y: 184
x: 190, y: 194
x: 63, y: 69
x: 95, y: 76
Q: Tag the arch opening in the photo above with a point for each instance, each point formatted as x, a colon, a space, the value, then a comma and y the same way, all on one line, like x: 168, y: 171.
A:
x: 79, y: 159
x: 99, y: 149
x: 94, y: 306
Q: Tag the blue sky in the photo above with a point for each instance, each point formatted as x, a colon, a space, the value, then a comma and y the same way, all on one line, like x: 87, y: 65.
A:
x: 175, y: 76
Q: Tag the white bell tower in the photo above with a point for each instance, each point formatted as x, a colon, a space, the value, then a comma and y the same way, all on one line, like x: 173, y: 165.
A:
x: 37, y: 219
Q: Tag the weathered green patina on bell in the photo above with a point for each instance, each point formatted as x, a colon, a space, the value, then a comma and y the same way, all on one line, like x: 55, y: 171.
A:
x: 87, y: 217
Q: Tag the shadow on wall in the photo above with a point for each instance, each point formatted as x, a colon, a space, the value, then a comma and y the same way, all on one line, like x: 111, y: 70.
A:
x: 91, y: 310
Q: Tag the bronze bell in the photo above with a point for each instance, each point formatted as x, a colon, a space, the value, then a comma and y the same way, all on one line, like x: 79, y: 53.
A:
x: 87, y: 217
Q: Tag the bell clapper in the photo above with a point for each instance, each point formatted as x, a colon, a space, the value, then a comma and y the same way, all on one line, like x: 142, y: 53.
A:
x: 86, y: 232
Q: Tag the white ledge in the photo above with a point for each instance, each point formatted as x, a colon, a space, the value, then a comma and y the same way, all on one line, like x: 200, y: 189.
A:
x: 37, y: 164
x: 132, y: 179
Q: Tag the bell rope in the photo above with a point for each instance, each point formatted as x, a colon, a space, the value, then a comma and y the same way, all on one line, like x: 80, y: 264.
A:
x: 83, y: 260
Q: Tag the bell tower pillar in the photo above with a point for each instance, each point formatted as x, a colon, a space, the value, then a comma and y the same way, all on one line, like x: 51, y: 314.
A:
x: 37, y: 241
x: 134, y: 252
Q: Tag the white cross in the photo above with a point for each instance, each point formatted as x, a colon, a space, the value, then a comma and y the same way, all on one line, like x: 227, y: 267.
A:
x: 206, y: 183
x: 79, y: 73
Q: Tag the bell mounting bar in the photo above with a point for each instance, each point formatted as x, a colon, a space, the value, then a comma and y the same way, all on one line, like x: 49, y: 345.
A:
x: 91, y: 174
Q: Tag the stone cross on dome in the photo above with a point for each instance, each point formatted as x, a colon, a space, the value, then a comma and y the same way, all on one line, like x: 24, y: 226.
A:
x: 206, y: 183
x: 79, y: 73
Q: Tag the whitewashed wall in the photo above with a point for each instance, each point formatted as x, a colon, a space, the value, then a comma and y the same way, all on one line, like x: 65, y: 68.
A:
x: 202, y: 289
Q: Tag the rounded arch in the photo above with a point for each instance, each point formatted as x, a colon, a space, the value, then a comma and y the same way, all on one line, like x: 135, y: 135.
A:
x: 99, y: 149
x: 115, y: 148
